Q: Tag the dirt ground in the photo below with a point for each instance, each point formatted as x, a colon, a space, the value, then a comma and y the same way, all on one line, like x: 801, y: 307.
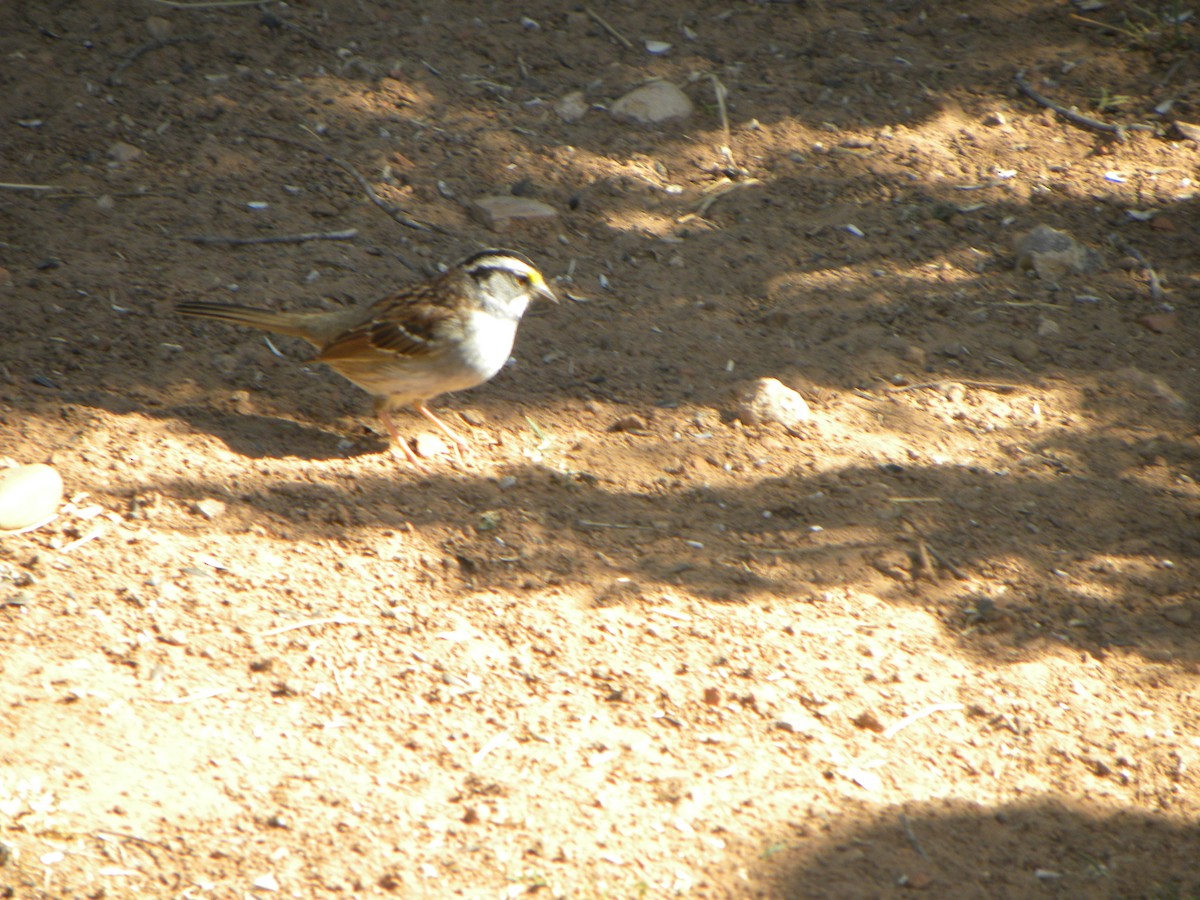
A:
x: 943, y: 639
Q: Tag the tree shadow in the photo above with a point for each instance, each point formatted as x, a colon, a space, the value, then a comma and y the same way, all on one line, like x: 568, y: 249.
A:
x: 961, y: 849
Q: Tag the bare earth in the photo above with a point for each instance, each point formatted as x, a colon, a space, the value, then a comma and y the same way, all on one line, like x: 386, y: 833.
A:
x: 944, y: 639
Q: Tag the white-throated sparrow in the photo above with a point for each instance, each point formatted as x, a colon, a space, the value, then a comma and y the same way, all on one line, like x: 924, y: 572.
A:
x: 446, y: 334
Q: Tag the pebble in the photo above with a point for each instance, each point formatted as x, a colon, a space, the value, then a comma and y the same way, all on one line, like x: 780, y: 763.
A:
x: 571, y: 107
x: 121, y: 152
x: 631, y: 422
x: 1052, y: 254
x: 770, y: 400
x: 210, y: 507
x: 1025, y: 350
x: 429, y: 445
x: 502, y: 211
x: 1048, y: 327
x: 1178, y: 615
x: 29, y: 495
x: 650, y: 104
x: 1159, y: 323
x: 797, y: 722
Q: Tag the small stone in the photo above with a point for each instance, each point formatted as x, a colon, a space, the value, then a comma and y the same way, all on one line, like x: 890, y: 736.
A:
x: 651, y: 104
x: 1025, y: 350
x: 1187, y: 131
x: 918, y: 881
x: 428, y: 446
x: 1052, y: 254
x: 121, y: 152
x: 500, y: 212
x: 267, y: 882
x: 631, y: 422
x: 1159, y: 323
x: 210, y: 507
x: 1048, y: 327
x: 29, y: 496
x: 867, y: 721
x: 915, y: 355
x: 712, y: 696
x: 159, y: 27
x: 105, y: 203
x: 1178, y: 615
x: 770, y: 400
x: 993, y: 119
x: 797, y: 722
x: 571, y: 107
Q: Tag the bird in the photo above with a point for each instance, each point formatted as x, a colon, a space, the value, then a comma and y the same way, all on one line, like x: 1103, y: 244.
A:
x: 449, y: 333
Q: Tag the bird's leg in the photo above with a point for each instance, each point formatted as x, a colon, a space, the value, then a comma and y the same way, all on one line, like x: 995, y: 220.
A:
x: 386, y: 417
x: 461, y: 447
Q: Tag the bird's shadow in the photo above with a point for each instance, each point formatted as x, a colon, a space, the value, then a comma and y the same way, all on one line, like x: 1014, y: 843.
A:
x: 272, y: 437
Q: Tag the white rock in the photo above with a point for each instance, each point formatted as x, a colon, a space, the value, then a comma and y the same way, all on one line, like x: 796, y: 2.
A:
x: 770, y: 400
x: 29, y: 495
x: 658, y: 101
x: 572, y: 107
x: 1053, y: 254
x: 502, y: 211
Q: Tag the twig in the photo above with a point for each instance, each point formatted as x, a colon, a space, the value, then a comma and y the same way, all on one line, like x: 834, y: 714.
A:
x: 1156, y: 288
x: 477, y: 757
x: 599, y: 20
x: 1074, y: 116
x: 311, y: 623
x: 210, y: 4
x: 722, y: 188
x: 915, y: 500
x: 998, y: 386
x: 912, y: 837
x: 346, y: 235
x: 392, y: 211
x: 118, y: 835
x: 12, y: 186
x: 946, y: 564
x: 156, y: 44
x: 721, y: 92
x: 893, y: 730
x: 76, y: 544
x: 205, y: 694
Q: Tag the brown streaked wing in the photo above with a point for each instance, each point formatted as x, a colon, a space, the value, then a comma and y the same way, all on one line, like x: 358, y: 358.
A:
x: 405, y: 324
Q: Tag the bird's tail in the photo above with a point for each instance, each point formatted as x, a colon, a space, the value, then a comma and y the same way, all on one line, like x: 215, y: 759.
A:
x: 292, y: 324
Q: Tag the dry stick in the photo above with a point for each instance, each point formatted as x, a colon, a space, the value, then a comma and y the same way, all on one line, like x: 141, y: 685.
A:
x: 727, y: 148
x: 12, y: 186
x: 997, y: 386
x: 1072, y: 115
x: 1156, y: 288
x: 392, y: 211
x: 892, y: 730
x: 210, y: 4
x: 311, y: 623
x: 156, y: 44
x: 348, y: 234
x: 912, y: 837
x: 599, y: 20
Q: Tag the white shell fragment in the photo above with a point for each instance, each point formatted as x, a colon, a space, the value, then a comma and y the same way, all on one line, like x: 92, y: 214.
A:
x: 658, y: 101
x: 770, y: 400
x: 29, y: 495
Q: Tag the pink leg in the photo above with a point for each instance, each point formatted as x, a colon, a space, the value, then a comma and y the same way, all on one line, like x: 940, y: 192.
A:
x: 461, y: 448
x: 397, y: 441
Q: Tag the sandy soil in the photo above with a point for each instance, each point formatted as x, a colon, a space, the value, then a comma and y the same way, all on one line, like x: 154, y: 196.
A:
x: 943, y: 639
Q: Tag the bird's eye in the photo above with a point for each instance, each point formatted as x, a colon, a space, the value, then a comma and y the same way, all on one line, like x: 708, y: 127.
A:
x: 524, y: 280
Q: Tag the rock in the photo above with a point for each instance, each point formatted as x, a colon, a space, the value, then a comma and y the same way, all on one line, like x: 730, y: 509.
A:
x: 29, y: 495
x: 1047, y: 327
x: 650, y: 104
x: 797, y: 722
x: 159, y: 28
x: 1159, y: 323
x: 1053, y: 254
x: 1178, y: 615
x: 630, y: 422
x: 429, y: 445
x: 770, y: 400
x: 502, y: 211
x: 1025, y: 350
x: 993, y: 119
x: 571, y: 107
x: 210, y: 507
x: 121, y: 152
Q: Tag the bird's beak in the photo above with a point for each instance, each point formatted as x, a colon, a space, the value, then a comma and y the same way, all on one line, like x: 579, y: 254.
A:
x: 542, y: 289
